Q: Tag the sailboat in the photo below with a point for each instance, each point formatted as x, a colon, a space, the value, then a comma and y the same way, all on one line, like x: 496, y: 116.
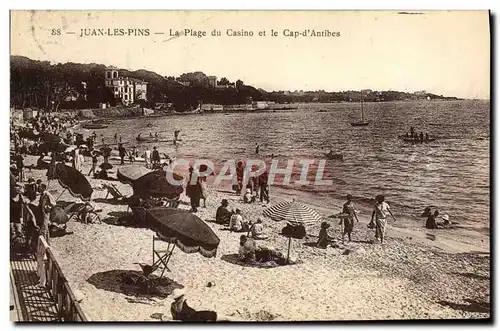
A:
x: 362, y: 122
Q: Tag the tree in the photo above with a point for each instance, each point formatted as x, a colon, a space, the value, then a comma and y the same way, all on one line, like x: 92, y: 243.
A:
x: 224, y: 81
x: 239, y: 83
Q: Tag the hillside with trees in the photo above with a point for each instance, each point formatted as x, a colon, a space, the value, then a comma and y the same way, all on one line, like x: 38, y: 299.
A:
x: 42, y: 85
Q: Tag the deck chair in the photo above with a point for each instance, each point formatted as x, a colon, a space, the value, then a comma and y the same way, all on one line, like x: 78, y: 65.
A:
x: 113, y: 190
x: 172, y: 203
x: 83, y: 212
x: 161, y: 255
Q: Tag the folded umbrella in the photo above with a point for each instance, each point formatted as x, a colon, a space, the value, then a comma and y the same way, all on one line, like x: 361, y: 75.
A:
x: 184, y: 229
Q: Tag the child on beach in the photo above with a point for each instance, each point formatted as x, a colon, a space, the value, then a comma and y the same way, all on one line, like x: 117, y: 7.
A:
x: 324, y: 239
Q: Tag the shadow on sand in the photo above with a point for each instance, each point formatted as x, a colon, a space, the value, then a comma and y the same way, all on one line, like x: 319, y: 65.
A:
x: 472, y: 306
x: 111, y: 201
x: 233, y: 259
x: 122, y: 281
x: 122, y: 218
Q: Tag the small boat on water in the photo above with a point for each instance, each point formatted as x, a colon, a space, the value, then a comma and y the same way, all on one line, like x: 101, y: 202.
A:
x: 417, y: 140
x: 101, y: 121
x: 94, y: 126
x: 362, y: 122
x: 149, y: 125
x: 147, y: 139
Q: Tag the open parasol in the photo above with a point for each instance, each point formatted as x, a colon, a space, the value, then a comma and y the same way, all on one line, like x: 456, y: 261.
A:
x: 106, y: 166
x: 184, y: 229
x: 128, y: 174
x: 295, y: 213
x: 74, y: 181
x: 155, y: 184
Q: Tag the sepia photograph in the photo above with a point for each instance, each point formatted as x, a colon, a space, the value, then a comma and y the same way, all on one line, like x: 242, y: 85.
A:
x: 250, y: 166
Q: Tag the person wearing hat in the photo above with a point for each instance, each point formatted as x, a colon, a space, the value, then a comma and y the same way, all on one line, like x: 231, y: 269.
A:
x: 324, y: 239
x: 446, y: 220
x: 379, y: 215
x: 181, y: 311
x: 223, y: 215
x: 348, y: 222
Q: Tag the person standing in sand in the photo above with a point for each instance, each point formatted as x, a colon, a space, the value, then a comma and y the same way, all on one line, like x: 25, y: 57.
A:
x: 46, y: 203
x: 147, y: 157
x: 348, y: 208
x: 380, y: 212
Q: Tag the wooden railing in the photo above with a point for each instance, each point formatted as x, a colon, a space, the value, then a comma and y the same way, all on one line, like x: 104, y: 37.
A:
x: 68, y: 307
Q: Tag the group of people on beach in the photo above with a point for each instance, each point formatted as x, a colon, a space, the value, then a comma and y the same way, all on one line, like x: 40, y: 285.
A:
x: 432, y: 217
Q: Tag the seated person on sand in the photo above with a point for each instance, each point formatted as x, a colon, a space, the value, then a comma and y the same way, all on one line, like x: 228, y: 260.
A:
x: 223, y: 215
x: 237, y: 224
x: 248, y: 197
x: 103, y: 174
x: 246, y: 250
x: 324, y: 239
x: 257, y: 230
x: 41, y: 164
x: 267, y: 254
x: 431, y: 221
x: 142, y: 281
x: 182, y: 312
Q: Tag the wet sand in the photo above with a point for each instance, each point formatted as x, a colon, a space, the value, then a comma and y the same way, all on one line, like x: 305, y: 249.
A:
x: 410, y: 276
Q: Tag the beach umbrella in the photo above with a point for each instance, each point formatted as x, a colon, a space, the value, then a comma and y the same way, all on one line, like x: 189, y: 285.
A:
x: 128, y: 174
x: 73, y: 181
x: 155, y: 184
x: 184, y: 229
x: 293, y: 212
x: 296, y: 214
x: 52, y: 146
x: 106, y: 166
x: 50, y: 137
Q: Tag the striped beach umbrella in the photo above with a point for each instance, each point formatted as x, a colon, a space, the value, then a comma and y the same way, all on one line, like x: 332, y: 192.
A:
x: 293, y: 212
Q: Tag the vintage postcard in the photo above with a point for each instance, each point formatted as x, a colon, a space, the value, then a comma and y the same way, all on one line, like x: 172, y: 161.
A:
x: 253, y: 166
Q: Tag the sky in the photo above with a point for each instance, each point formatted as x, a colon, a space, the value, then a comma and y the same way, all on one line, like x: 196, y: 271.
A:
x: 442, y: 52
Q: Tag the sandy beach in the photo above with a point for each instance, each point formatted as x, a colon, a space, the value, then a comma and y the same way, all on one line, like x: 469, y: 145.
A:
x: 411, y: 276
